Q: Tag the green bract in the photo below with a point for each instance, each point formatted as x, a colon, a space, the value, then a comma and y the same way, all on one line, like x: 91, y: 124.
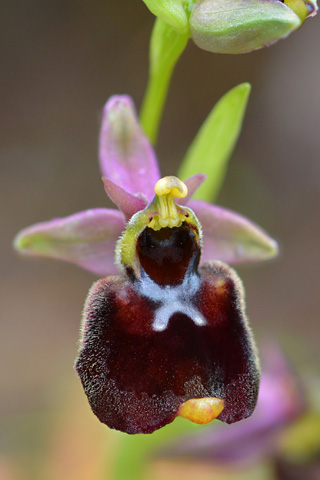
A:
x: 233, y: 26
x: 173, y: 12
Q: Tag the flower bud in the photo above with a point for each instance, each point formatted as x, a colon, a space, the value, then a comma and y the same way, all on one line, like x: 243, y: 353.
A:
x: 240, y: 26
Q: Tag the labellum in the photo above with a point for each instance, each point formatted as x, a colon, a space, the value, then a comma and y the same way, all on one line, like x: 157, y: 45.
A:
x: 167, y: 338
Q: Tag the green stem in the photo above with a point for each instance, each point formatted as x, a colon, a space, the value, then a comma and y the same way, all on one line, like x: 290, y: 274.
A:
x: 166, y: 46
x: 137, y: 450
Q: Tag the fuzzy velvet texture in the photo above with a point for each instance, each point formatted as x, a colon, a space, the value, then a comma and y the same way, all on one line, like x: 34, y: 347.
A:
x: 136, y: 378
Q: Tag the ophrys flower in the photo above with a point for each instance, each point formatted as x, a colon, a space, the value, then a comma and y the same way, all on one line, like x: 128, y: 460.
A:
x: 163, y: 337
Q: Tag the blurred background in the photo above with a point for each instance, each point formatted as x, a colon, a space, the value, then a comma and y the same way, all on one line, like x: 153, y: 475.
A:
x: 60, y: 61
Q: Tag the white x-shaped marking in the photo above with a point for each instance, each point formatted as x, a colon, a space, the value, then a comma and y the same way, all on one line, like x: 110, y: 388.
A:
x: 173, y: 299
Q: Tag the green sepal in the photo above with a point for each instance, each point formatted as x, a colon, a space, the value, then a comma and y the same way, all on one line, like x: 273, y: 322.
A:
x: 173, y: 12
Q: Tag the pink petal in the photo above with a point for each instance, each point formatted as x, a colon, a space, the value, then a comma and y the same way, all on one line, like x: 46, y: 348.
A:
x: 193, y: 183
x: 230, y: 237
x: 129, y: 204
x: 126, y: 156
x: 86, y: 238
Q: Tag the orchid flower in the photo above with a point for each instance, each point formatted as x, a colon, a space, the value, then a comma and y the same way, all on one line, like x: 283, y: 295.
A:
x: 165, y: 332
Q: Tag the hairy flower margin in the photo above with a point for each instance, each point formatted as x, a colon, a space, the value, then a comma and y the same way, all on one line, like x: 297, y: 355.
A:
x: 164, y: 337
x: 282, y: 400
x: 230, y: 26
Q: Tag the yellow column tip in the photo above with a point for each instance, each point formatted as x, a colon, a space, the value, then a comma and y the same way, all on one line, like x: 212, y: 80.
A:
x: 171, y: 185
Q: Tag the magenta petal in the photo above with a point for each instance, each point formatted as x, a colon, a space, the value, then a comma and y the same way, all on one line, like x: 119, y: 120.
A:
x: 86, y: 238
x: 129, y: 204
x: 230, y: 237
x: 126, y: 156
x: 193, y: 183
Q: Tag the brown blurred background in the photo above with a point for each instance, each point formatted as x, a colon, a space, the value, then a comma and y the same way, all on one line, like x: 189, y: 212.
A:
x: 60, y: 61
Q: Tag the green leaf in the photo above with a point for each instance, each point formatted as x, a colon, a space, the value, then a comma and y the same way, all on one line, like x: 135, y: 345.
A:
x: 215, y: 141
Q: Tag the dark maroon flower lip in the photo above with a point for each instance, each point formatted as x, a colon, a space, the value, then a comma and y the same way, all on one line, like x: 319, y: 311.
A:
x: 166, y: 334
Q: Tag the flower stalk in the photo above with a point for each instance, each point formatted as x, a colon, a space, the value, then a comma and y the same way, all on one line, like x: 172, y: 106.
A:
x: 166, y: 47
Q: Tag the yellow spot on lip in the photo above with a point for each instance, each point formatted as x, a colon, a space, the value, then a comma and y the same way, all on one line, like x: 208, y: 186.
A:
x: 201, y: 410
